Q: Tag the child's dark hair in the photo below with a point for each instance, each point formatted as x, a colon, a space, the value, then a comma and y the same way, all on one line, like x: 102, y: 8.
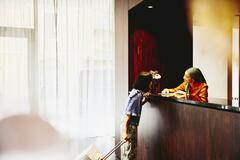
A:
x: 142, y: 82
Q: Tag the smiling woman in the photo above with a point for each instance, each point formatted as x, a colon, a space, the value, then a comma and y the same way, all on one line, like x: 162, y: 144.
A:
x: 194, y: 86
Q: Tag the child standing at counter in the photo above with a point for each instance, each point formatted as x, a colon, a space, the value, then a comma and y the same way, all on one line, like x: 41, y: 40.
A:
x: 137, y: 97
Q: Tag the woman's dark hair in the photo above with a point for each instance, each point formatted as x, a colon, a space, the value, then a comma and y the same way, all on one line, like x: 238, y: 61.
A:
x: 142, y: 82
x: 196, y: 74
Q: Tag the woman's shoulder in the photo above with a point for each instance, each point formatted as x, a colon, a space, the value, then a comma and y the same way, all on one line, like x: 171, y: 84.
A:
x: 203, y: 85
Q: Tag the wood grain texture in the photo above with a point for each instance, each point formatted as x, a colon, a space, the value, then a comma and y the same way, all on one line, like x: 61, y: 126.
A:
x: 175, y: 131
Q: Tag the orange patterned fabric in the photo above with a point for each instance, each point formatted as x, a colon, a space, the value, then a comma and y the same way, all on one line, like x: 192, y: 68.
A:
x: 197, y: 91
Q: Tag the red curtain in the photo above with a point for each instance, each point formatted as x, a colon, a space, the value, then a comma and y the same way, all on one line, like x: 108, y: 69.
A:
x: 142, y: 54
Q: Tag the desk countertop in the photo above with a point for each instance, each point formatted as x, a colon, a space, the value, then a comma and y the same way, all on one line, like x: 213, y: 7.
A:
x: 213, y: 103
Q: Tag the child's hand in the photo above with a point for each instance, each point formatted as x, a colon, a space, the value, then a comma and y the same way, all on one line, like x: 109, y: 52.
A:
x: 125, y: 136
x: 146, y: 97
x: 147, y: 94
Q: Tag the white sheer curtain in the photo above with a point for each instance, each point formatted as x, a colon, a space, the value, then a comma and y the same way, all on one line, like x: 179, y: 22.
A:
x: 16, y: 42
x: 63, y: 65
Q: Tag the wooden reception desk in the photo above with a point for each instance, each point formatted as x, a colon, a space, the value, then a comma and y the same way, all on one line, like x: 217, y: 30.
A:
x: 174, y: 129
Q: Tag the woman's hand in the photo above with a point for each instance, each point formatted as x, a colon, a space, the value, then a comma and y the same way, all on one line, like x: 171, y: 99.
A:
x: 180, y: 94
x: 165, y: 91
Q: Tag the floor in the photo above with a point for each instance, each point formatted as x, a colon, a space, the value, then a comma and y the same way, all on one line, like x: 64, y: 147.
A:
x: 102, y: 144
x: 69, y: 150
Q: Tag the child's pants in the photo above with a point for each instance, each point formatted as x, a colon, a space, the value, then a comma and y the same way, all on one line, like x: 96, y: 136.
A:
x: 129, y: 149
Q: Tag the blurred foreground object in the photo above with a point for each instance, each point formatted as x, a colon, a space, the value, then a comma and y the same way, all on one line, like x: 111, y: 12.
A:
x: 26, y: 133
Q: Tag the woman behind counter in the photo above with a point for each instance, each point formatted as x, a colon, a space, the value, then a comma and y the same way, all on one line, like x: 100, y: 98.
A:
x: 194, y: 86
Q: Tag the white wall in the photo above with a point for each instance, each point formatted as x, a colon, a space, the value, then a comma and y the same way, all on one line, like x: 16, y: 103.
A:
x: 212, y: 42
x: 210, y: 48
x: 121, y: 61
x: 133, y: 3
x: 235, y: 65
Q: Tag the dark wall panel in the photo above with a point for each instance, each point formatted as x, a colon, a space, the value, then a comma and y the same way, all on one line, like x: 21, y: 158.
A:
x: 176, y: 131
x: 160, y: 38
